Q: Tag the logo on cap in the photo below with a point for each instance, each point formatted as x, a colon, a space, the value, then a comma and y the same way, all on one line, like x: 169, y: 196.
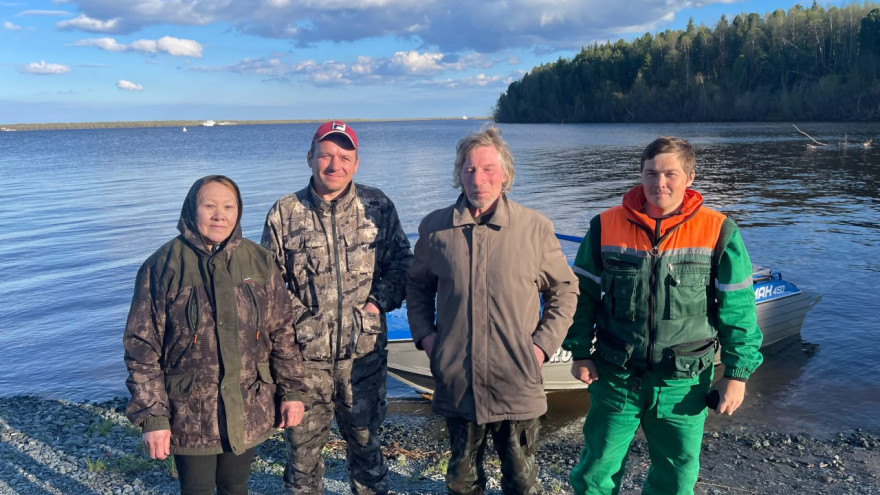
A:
x: 338, y: 126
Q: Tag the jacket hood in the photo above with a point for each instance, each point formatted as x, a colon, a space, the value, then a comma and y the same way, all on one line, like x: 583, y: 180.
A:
x: 187, y: 223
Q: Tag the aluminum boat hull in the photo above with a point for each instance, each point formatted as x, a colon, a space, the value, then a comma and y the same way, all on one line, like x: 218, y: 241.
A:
x: 781, y: 309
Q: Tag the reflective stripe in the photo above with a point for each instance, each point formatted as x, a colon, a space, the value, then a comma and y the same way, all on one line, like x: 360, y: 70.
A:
x: 733, y: 287
x: 580, y: 271
x: 667, y: 252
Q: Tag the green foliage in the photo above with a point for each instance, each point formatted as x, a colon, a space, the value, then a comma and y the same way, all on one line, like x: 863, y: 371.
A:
x: 555, y: 487
x: 168, y: 466
x: 804, y: 64
x: 101, y: 428
x: 133, y: 464
x: 97, y: 466
x: 437, y: 468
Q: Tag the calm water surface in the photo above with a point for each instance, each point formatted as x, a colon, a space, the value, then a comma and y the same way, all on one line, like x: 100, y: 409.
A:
x: 82, y: 209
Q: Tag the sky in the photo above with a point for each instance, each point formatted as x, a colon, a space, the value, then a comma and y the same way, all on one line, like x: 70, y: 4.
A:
x: 130, y: 60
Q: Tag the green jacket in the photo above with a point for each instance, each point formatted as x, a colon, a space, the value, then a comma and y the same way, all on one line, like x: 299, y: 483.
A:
x: 209, y: 342
x: 660, y: 297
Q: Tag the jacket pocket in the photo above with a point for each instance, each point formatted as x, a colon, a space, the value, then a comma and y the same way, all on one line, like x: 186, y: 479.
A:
x: 306, y: 254
x: 360, y: 250
x: 260, y: 403
x: 688, y: 290
x: 689, y: 359
x: 184, y: 403
x: 264, y: 384
x: 313, y: 337
x: 619, y: 283
x: 612, y: 349
x: 367, y: 329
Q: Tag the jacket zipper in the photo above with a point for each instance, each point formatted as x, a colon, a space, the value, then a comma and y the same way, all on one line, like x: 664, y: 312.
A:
x: 338, y: 282
x: 250, y: 291
x: 652, y: 297
x: 192, y: 317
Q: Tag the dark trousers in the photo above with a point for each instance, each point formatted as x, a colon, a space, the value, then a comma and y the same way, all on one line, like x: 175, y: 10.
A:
x: 515, y: 443
x: 227, y: 472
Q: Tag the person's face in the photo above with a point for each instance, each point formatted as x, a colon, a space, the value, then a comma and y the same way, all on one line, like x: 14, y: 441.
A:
x: 216, y: 212
x: 334, y: 162
x: 664, y: 182
x: 482, y: 177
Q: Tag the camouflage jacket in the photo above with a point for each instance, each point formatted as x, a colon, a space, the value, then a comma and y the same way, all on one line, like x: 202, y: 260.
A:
x: 209, y: 344
x: 335, y: 257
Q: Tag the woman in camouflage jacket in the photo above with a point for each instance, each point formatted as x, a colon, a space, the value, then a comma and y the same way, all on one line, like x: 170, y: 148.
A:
x: 210, y: 345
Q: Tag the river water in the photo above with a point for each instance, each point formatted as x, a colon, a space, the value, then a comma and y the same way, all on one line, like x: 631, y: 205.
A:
x: 81, y: 209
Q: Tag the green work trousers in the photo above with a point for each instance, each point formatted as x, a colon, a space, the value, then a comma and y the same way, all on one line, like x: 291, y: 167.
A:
x: 671, y: 412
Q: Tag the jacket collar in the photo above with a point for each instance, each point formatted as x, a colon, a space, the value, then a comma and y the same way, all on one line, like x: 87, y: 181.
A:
x: 343, y: 201
x: 461, y: 215
x: 634, y: 204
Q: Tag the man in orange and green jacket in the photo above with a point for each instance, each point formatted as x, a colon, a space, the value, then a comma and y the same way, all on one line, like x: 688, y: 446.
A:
x: 663, y: 282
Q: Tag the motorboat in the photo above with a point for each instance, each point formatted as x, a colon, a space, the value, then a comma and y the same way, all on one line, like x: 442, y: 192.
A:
x: 781, y: 308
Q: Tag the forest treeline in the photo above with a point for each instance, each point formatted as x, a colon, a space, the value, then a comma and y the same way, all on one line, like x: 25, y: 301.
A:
x: 805, y: 64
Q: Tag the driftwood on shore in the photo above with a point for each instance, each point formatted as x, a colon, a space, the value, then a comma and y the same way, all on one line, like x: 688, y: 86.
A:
x: 844, y: 144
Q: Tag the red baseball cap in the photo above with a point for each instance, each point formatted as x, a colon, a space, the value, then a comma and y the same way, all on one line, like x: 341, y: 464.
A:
x: 336, y: 127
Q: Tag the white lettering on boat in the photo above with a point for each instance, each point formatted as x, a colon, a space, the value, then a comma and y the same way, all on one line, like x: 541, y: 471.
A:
x: 560, y: 356
x: 768, y: 291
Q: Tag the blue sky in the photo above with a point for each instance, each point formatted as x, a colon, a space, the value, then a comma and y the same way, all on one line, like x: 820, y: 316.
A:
x: 112, y: 60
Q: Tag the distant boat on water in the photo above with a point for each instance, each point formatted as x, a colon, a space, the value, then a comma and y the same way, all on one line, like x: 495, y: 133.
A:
x: 208, y: 123
x: 184, y: 129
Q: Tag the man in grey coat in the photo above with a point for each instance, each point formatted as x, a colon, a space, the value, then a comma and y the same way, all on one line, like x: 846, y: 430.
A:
x: 486, y: 260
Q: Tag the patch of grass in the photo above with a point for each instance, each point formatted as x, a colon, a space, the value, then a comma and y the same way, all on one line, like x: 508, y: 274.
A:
x: 133, y: 464
x: 132, y: 429
x: 401, y: 460
x: 437, y: 468
x: 555, y: 468
x: 168, y: 466
x: 101, y: 428
x: 97, y: 466
x: 555, y: 487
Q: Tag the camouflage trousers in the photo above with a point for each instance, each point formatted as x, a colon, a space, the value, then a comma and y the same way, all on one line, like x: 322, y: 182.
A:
x: 352, y: 391
x: 515, y: 443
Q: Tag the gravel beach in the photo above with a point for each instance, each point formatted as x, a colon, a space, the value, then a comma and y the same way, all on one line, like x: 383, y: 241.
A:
x: 59, y: 447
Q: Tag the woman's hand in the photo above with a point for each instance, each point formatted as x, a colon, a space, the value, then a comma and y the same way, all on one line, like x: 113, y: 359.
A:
x: 158, y: 443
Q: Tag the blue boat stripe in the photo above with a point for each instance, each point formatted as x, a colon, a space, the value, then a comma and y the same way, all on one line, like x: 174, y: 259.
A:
x: 733, y: 287
x: 580, y: 271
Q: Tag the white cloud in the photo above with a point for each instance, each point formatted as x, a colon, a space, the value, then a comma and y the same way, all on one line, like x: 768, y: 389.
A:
x: 129, y: 86
x: 448, y: 26
x: 86, y: 23
x: 180, y: 47
x: 402, y: 67
x: 10, y: 26
x: 59, y: 13
x: 173, y: 46
x: 44, y: 68
x: 415, y: 62
x: 108, y: 44
x: 148, y: 46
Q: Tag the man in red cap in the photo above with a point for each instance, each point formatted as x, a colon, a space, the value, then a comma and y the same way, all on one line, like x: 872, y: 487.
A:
x: 343, y: 255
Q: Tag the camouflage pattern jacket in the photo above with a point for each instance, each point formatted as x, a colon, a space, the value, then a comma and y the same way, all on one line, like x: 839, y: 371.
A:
x: 209, y: 343
x: 335, y: 257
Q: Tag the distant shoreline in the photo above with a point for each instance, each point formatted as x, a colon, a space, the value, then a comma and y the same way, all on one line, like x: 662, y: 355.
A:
x: 193, y: 123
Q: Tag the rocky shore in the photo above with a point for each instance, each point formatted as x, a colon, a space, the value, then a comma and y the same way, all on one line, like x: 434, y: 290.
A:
x: 59, y: 447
